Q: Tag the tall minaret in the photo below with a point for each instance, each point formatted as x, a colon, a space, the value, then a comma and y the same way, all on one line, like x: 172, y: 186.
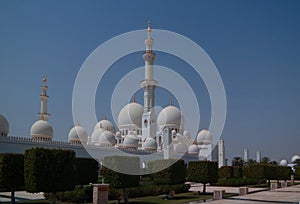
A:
x: 149, y: 85
x: 43, y: 115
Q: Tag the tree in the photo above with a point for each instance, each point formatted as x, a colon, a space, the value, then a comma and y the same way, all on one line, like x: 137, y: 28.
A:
x: 265, y: 160
x: 49, y: 170
x: 121, y: 180
x: 251, y: 161
x: 86, y: 171
x: 237, y: 161
x: 203, y: 172
x: 11, y: 172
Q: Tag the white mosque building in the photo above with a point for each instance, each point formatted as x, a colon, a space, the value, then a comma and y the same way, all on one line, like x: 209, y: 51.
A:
x: 139, y: 130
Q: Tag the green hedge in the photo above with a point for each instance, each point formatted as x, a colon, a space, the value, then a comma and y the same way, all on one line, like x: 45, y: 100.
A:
x: 79, y: 195
x: 175, y: 172
x: 86, y: 171
x: 297, y: 172
x: 85, y: 194
x: 237, y: 172
x: 236, y: 182
x: 120, y: 180
x: 148, y: 190
x: 49, y: 170
x: 226, y: 172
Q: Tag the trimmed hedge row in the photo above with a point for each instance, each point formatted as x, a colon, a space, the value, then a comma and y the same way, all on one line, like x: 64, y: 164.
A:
x: 148, y: 190
x: 79, y: 195
x: 236, y: 182
x: 85, y: 194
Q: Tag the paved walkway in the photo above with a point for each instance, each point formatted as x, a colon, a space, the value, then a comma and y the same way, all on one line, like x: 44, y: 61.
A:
x: 21, y: 196
x: 211, y: 189
x: 290, y: 195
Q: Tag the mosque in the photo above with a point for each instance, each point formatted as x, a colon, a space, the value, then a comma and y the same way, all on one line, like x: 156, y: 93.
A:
x: 139, y: 130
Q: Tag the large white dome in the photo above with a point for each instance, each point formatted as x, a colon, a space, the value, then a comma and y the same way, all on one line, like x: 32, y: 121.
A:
x: 78, y: 133
x: 180, y: 148
x: 204, y: 137
x: 295, y: 158
x: 107, y: 138
x: 170, y: 116
x: 150, y: 144
x: 106, y: 125
x: 41, y: 129
x: 283, y: 162
x: 4, y: 126
x: 131, y: 140
x: 131, y: 116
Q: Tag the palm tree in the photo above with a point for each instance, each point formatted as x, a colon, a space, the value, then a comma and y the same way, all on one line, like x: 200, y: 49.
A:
x: 265, y: 160
x: 237, y: 161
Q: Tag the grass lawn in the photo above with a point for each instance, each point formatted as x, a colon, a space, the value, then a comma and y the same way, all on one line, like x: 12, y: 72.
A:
x: 179, y: 198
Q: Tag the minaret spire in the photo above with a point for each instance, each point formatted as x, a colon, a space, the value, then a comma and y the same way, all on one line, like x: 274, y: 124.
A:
x: 43, y: 115
x: 149, y: 85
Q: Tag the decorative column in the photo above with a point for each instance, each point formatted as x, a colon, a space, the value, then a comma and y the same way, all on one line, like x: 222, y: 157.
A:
x: 100, y: 193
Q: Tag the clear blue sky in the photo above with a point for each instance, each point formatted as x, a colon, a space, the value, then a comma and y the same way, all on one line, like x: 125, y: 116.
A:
x: 254, y: 44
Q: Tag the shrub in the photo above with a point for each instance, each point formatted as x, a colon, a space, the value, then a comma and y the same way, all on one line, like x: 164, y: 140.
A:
x: 203, y: 172
x: 237, y: 172
x: 81, y: 194
x: 173, y: 174
x: 49, y: 170
x: 236, y: 182
x: 86, y: 171
x: 226, y: 172
x: 11, y: 172
x: 148, y: 190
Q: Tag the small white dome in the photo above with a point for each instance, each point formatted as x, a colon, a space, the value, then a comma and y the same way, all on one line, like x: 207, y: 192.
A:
x: 106, y: 125
x: 150, y: 144
x: 41, y: 128
x: 173, y: 132
x: 186, y: 134
x: 283, y: 162
x: 95, y: 135
x: 118, y: 134
x: 295, y: 158
x: 78, y: 133
x: 130, y: 117
x: 204, y: 137
x: 170, y: 116
x: 107, y: 138
x: 131, y: 140
x: 193, y: 149
x: 4, y: 126
x: 180, y: 148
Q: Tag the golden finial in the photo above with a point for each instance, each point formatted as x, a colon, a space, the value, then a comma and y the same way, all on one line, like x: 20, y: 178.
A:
x: 171, y: 103
x: 133, y: 99
x: 101, y: 125
x: 44, y: 79
x: 104, y: 116
x: 149, y: 26
x: 77, y: 124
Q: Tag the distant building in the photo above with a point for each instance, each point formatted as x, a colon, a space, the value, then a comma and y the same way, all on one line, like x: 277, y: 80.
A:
x: 258, y: 156
x: 246, y: 155
x: 221, y: 153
